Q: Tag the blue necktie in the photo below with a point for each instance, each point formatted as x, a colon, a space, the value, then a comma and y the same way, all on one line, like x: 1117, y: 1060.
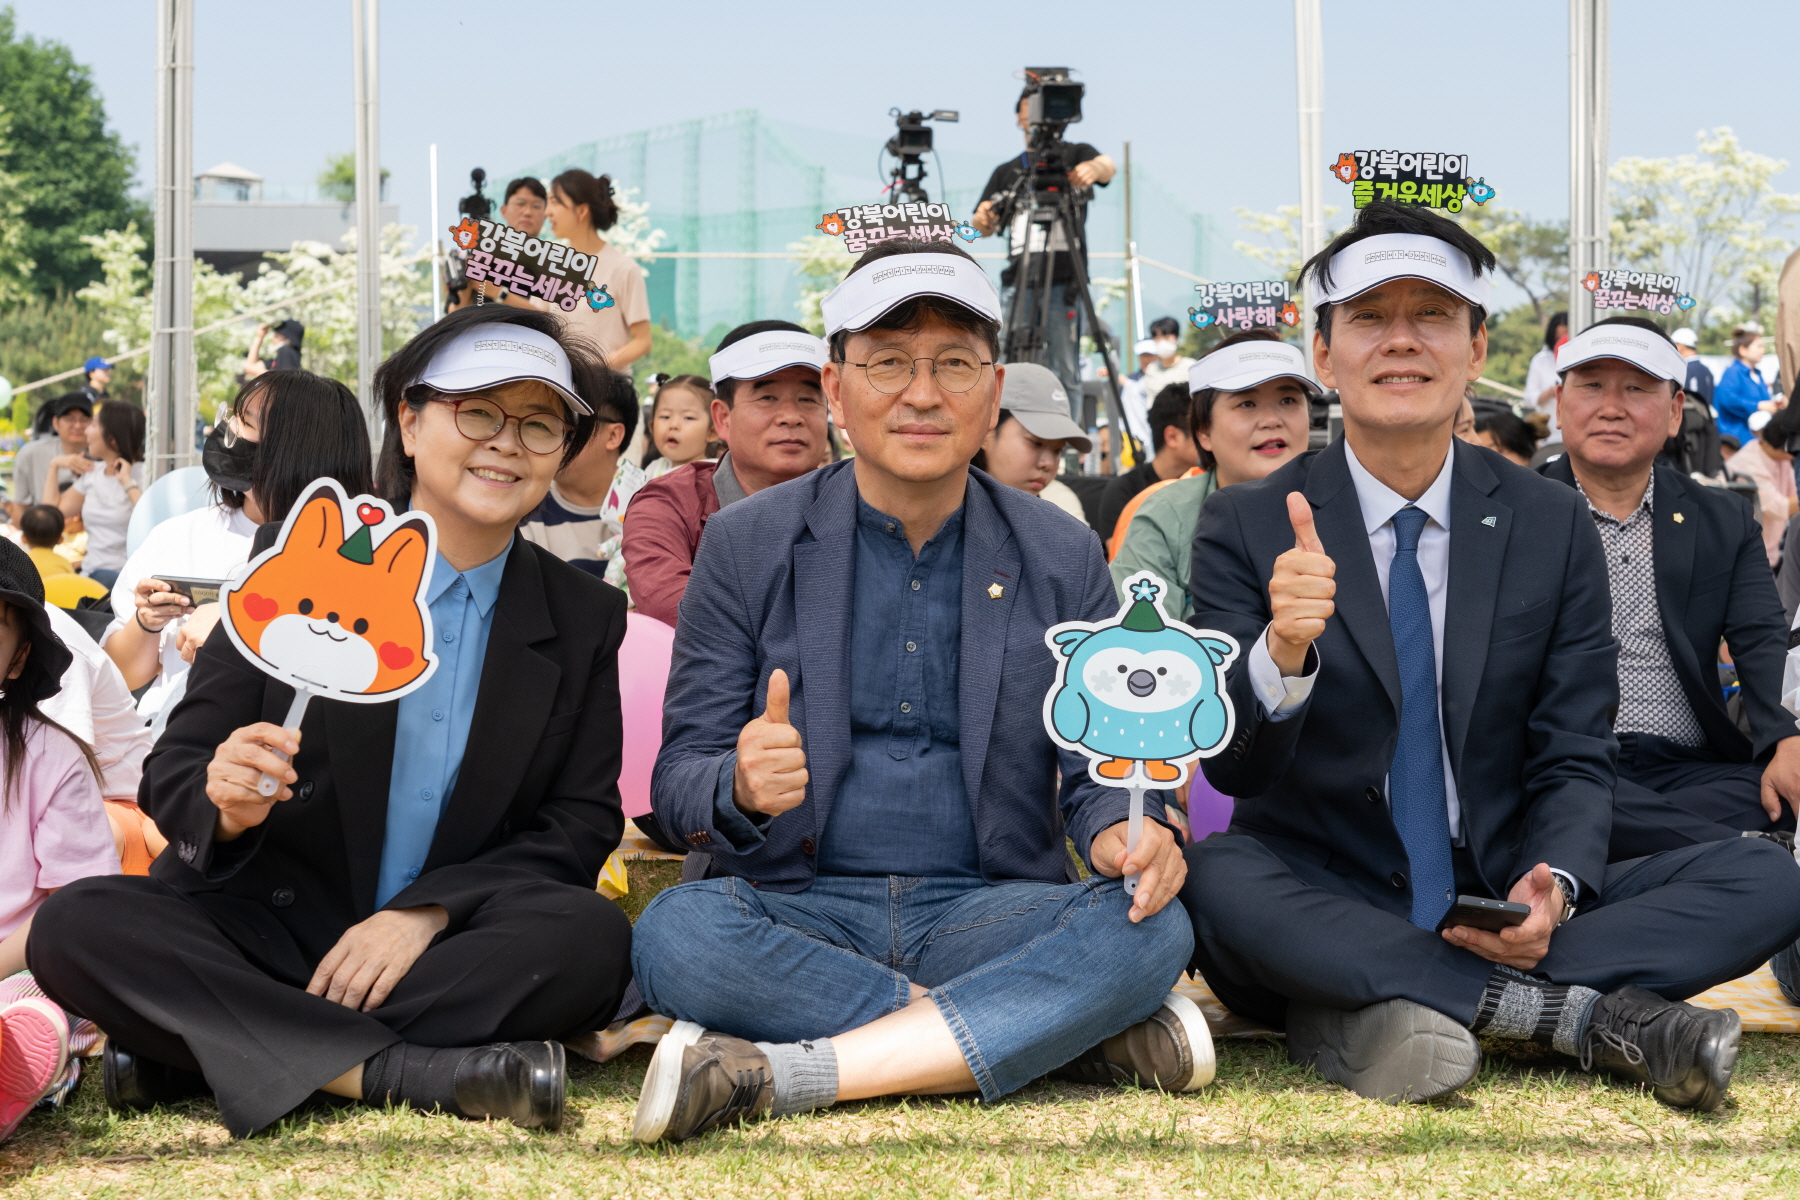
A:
x: 1416, y: 779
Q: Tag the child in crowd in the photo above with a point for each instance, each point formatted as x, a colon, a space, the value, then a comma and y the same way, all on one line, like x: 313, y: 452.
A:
x: 53, y: 831
x: 42, y: 527
x: 681, y: 428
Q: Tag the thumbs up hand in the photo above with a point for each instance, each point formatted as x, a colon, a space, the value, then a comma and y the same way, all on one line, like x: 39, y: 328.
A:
x: 1300, y: 592
x: 771, y: 766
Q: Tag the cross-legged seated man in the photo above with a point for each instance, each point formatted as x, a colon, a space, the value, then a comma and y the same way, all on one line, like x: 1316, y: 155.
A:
x: 1424, y: 712
x: 854, y: 732
x: 1688, y: 572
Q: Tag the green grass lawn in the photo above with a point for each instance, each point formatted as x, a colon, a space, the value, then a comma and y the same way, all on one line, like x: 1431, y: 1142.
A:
x: 1531, y: 1125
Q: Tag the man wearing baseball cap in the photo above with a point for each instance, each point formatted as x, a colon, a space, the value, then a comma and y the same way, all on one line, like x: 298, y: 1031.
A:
x: 853, y: 732
x: 62, y: 426
x: 1687, y: 571
x: 1424, y: 728
x: 768, y: 410
x: 1699, y: 382
x: 97, y: 373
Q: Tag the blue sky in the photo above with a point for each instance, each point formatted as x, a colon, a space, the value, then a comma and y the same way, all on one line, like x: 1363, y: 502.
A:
x: 1205, y: 90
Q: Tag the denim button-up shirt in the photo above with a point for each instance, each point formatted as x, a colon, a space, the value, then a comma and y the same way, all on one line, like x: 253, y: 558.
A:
x: 432, y: 728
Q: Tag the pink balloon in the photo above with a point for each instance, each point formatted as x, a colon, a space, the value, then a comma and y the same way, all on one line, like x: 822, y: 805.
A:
x: 643, y: 674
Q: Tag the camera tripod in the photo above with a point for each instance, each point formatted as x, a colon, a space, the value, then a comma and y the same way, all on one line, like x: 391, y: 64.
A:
x: 1049, y: 202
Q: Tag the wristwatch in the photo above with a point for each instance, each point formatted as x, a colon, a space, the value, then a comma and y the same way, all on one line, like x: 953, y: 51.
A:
x: 1562, y: 885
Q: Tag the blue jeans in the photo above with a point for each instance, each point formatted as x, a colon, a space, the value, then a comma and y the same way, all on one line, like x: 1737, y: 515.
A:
x: 1062, y: 334
x: 1027, y: 975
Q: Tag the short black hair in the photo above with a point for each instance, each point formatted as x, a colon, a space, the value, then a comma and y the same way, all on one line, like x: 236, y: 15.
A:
x: 1557, y: 321
x: 1783, y: 424
x: 311, y: 426
x: 619, y: 404
x: 42, y: 525
x: 1510, y: 431
x: 1172, y: 406
x: 726, y: 389
x: 1201, y: 406
x: 394, y: 382
x: 915, y: 312
x: 1165, y: 325
x: 1390, y: 216
x: 530, y: 183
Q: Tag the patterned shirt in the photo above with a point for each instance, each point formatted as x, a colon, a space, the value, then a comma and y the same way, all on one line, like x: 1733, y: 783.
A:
x: 1650, y: 696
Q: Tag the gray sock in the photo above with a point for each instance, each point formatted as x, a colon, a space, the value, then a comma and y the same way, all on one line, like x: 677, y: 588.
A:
x: 1515, y: 1005
x: 806, y: 1075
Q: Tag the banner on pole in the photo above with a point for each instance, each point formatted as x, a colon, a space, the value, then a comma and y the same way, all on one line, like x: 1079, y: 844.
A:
x: 1262, y: 302
x: 1431, y: 179
x: 1647, y: 290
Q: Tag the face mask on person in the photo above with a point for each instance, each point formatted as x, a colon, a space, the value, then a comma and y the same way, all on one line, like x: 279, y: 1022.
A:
x: 228, y: 459
x: 1166, y: 347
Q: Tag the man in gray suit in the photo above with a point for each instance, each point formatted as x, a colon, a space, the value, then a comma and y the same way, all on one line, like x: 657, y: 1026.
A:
x: 853, y: 731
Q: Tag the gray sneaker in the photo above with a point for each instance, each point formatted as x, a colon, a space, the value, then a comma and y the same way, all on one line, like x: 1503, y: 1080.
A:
x: 1397, y: 1052
x: 699, y: 1081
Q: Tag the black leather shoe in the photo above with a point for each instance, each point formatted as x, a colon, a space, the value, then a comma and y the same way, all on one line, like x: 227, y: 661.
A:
x: 134, y: 1083
x: 1684, y: 1054
x: 524, y: 1082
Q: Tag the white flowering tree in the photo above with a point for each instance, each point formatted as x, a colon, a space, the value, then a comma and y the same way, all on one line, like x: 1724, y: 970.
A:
x: 15, y: 266
x: 631, y: 233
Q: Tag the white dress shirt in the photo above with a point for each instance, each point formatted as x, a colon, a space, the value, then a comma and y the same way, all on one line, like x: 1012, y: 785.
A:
x: 96, y: 706
x: 1281, y: 696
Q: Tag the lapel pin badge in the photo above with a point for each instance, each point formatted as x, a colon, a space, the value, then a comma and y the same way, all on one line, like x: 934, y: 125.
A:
x: 1679, y: 518
x: 995, y: 591
x: 1490, y: 522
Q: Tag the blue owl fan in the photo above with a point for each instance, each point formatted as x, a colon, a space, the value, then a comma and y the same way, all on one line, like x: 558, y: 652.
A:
x: 1141, y: 697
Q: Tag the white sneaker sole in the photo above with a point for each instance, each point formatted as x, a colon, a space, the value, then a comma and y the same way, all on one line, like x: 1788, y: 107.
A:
x: 1199, y: 1039
x: 1397, y: 1052
x: 662, y: 1083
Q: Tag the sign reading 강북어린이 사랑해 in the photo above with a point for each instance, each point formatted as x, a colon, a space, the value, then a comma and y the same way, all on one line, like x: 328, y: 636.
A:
x: 1637, y: 289
x: 530, y: 266
x: 1264, y: 302
x: 1431, y: 179
x: 863, y: 225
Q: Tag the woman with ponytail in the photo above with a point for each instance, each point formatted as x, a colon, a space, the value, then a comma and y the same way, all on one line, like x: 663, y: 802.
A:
x: 581, y: 208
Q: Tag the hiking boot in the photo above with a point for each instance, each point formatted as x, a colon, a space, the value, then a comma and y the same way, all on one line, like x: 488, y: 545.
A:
x: 699, y: 1081
x: 1396, y: 1051
x: 1171, y: 1050
x: 1684, y: 1054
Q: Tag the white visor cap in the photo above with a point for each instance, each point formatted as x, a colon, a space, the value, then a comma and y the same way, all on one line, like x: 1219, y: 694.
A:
x: 494, y: 353
x: 1375, y: 260
x: 1646, y: 351
x: 763, y: 354
x: 1241, y: 367
x: 867, y: 295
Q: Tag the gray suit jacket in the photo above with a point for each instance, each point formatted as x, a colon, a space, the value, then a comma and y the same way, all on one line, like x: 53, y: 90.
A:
x: 772, y: 587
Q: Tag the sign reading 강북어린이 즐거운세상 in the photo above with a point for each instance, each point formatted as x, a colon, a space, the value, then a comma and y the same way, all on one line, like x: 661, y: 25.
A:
x: 1615, y: 290
x: 1430, y: 178
x: 530, y: 266
x: 1264, y: 302
x: 863, y: 225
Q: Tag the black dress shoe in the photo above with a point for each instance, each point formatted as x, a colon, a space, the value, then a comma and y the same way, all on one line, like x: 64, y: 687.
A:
x: 524, y: 1082
x: 134, y: 1083
x: 1684, y: 1054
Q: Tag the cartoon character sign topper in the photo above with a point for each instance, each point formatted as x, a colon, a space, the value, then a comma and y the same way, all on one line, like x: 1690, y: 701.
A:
x: 1140, y: 697
x: 336, y: 615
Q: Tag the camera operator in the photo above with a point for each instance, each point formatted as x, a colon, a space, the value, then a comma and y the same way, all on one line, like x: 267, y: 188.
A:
x: 1088, y: 168
x: 524, y: 208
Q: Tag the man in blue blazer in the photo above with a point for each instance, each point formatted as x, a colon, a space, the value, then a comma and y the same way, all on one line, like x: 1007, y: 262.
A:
x: 1424, y: 714
x: 853, y: 731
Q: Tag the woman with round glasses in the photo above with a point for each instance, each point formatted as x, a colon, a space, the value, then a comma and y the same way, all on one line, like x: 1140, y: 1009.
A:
x: 411, y: 918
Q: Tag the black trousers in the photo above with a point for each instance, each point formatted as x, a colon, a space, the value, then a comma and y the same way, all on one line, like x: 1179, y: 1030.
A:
x: 1268, y: 930
x: 1669, y: 796
x: 215, y: 984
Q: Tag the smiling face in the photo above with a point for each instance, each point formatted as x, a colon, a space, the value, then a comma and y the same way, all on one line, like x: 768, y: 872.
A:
x: 923, y: 433
x: 1255, y: 431
x: 1399, y: 356
x: 1020, y: 459
x: 1614, y: 416
x: 485, y: 485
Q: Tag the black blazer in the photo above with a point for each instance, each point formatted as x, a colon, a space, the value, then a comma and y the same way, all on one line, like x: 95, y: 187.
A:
x: 1713, y: 584
x: 1529, y: 690
x: 537, y: 797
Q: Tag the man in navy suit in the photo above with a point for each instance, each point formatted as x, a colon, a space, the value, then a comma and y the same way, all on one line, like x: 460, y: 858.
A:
x: 1688, y: 572
x: 1424, y: 712
x: 896, y: 911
